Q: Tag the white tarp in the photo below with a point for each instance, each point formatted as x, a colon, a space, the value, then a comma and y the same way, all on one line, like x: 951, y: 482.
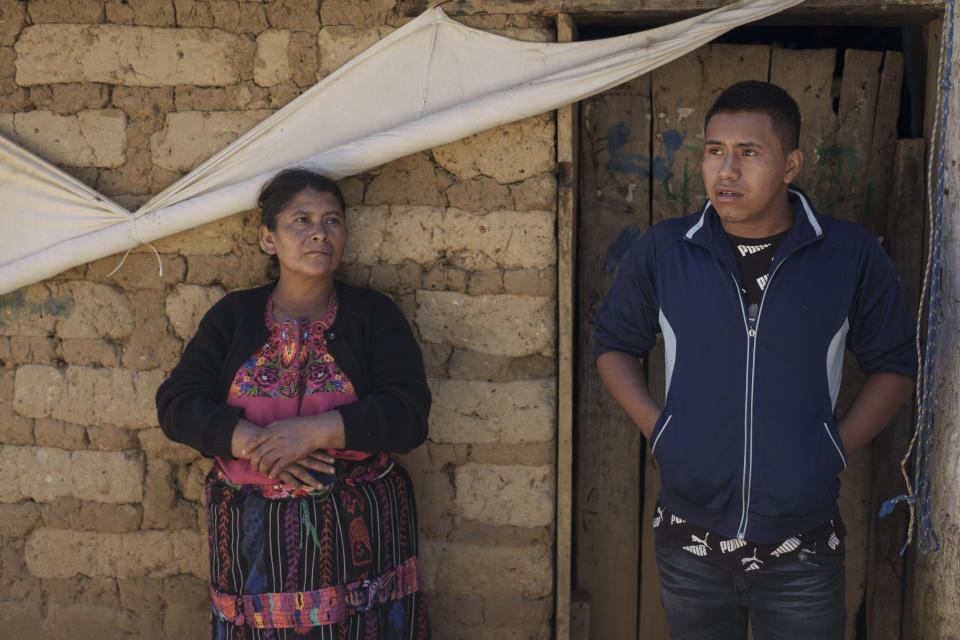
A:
x: 428, y: 83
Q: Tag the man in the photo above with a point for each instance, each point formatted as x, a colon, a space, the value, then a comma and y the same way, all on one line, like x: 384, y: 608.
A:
x: 756, y: 296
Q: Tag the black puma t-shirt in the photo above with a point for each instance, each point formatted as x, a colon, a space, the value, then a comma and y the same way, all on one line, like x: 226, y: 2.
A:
x: 754, y: 256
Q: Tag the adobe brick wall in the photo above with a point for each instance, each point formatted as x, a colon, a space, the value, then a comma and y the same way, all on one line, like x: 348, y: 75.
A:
x: 101, y: 519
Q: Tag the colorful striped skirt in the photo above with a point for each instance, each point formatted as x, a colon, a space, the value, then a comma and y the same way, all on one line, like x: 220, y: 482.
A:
x: 340, y: 564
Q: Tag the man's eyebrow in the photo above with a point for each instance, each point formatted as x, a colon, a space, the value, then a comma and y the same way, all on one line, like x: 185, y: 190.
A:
x: 747, y: 143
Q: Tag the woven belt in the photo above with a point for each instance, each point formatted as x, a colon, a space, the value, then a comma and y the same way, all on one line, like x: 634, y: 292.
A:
x: 320, y: 607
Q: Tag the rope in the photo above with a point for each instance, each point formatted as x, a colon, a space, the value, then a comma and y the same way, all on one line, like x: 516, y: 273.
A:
x: 917, y: 496
x: 124, y: 259
x: 136, y: 233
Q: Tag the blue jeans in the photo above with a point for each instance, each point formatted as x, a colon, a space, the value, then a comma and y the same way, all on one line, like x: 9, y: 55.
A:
x: 801, y: 599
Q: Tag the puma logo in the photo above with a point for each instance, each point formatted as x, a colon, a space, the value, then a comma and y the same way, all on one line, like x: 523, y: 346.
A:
x: 744, y: 249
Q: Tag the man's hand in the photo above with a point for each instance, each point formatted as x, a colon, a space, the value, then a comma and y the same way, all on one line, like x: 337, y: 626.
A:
x: 623, y: 376
x: 876, y: 404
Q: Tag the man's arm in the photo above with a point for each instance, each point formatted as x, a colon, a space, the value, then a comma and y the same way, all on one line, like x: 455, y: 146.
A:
x: 623, y: 376
x: 876, y: 404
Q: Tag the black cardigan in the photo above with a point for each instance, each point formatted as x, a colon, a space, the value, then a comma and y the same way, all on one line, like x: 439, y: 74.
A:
x: 370, y: 340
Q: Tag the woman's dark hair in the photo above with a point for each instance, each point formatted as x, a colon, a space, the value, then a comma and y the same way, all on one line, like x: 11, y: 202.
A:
x: 762, y: 97
x: 282, y: 187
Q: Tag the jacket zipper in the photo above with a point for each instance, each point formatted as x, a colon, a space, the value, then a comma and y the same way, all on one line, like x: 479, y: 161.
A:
x: 751, y: 329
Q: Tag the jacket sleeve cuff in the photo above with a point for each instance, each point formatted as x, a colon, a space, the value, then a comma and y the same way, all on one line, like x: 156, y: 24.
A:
x: 356, y: 437
x: 220, y: 432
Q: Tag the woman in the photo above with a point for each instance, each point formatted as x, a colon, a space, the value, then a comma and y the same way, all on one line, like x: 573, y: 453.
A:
x: 299, y: 390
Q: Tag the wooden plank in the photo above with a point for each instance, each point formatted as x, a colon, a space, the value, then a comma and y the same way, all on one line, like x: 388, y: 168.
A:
x: 682, y: 92
x: 883, y: 147
x: 840, y: 190
x: 920, y: 600
x: 579, y: 617
x: 907, y: 223
x: 839, y: 174
x: 835, y: 149
x: 827, y: 12
x: 842, y: 158
x: 614, y: 209
x: 854, y: 503
x: 936, y: 588
x: 653, y: 619
x: 932, y: 32
x: 886, y: 577
x: 807, y: 75
x: 567, y: 155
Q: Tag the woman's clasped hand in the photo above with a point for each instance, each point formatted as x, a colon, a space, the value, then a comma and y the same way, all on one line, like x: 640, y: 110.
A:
x: 289, y: 449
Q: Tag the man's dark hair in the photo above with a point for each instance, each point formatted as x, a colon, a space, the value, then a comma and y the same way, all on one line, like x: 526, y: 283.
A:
x: 762, y: 97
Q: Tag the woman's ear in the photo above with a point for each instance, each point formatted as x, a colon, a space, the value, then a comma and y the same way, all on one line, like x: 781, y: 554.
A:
x: 266, y: 241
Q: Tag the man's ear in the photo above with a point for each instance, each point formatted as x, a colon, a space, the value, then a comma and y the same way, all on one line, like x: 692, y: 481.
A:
x: 266, y: 241
x: 794, y: 164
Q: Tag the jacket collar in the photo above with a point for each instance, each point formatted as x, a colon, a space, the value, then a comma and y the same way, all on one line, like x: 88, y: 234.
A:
x: 708, y: 232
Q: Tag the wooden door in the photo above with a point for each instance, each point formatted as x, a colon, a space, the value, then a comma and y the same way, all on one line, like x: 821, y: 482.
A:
x: 641, y: 145
x: 614, y: 165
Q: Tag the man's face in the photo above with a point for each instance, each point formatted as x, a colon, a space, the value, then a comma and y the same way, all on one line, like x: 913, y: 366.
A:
x: 746, y: 172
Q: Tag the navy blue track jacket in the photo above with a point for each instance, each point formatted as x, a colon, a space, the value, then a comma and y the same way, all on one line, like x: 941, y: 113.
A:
x: 747, y: 443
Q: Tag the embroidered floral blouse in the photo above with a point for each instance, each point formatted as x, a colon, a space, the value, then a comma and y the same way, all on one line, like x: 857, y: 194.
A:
x: 293, y: 374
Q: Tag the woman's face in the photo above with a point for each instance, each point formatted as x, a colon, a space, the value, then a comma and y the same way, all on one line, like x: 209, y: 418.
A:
x: 309, y: 237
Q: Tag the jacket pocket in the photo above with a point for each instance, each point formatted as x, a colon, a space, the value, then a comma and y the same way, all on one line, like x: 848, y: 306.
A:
x: 830, y: 430
x: 663, y: 422
x: 796, y: 466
